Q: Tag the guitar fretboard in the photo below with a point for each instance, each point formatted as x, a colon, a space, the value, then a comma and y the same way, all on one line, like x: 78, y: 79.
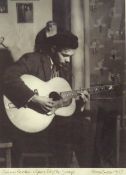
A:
x: 93, y: 90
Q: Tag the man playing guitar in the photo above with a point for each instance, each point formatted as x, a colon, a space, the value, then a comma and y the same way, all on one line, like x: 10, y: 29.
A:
x: 46, y: 65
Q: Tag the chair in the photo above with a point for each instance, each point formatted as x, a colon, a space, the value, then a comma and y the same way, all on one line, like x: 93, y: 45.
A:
x: 118, y: 127
x: 5, y: 150
x: 45, y: 157
x: 120, y: 141
x: 5, y: 146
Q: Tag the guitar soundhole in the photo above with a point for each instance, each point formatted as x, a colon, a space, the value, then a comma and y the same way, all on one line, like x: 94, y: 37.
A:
x: 55, y: 96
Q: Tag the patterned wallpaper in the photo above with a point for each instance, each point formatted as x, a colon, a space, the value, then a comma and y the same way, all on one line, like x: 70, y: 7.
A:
x: 107, y: 37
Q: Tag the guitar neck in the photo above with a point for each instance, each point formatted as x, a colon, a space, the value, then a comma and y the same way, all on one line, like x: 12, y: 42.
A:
x: 91, y: 90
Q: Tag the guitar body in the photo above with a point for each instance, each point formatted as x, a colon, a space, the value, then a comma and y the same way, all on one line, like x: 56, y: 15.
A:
x: 29, y: 120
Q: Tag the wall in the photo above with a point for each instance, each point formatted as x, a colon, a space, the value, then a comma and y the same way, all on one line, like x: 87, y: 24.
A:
x: 107, y: 47
x: 19, y: 37
x: 107, y: 42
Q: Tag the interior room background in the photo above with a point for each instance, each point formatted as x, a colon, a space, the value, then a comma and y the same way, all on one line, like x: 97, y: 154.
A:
x: 99, y: 60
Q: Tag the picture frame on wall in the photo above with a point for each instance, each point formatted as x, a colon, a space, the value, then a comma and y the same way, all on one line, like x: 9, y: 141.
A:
x: 24, y: 12
x: 3, y: 6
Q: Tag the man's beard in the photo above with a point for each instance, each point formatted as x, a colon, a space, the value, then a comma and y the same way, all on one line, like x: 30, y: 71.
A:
x: 59, y: 65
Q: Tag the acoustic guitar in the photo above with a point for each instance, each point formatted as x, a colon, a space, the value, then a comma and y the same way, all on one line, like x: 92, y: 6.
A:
x: 30, y: 120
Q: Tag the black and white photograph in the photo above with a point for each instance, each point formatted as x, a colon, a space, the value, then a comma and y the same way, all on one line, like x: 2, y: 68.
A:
x: 24, y: 12
x: 63, y: 86
x: 3, y: 6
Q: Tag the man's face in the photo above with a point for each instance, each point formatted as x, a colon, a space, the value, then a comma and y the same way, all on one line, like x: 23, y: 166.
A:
x: 51, y: 27
x: 64, y: 56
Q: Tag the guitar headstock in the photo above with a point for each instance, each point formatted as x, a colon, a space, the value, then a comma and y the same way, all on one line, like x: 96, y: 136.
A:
x: 107, y: 91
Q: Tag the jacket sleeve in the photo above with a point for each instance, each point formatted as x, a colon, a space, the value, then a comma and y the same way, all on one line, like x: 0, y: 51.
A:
x: 14, y: 87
